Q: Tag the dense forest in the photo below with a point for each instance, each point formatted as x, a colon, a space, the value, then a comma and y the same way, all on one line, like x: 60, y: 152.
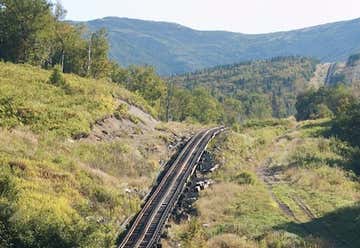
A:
x: 259, y: 89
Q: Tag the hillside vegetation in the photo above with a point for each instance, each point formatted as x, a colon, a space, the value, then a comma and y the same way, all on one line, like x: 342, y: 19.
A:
x: 59, y: 188
x: 280, y: 184
x: 175, y: 49
x: 283, y: 183
x: 29, y: 98
x: 82, y: 138
x: 260, y: 89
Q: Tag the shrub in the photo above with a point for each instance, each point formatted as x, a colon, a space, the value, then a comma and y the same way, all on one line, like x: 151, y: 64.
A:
x: 346, y: 125
x: 323, y: 103
x: 244, y: 178
x: 320, y: 111
x: 56, y: 77
x: 121, y: 111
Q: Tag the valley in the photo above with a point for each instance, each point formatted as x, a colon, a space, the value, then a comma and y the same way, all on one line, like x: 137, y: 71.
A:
x: 119, y: 132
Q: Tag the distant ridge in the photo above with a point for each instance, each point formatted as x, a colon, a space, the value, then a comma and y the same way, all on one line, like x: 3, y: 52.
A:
x: 173, y: 48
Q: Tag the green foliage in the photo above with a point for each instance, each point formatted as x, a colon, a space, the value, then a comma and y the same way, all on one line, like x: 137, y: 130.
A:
x: 195, y: 105
x: 266, y: 123
x: 323, y: 103
x: 33, y: 31
x: 258, y: 89
x: 8, y: 112
x: 142, y: 81
x: 244, y: 178
x: 56, y: 77
x: 121, y: 111
x: 233, y: 111
x: 256, y: 105
x: 27, y: 98
x: 193, y: 234
x: 71, y: 50
x: 347, y: 123
x: 25, y: 27
x: 54, y: 191
x: 205, y: 108
x: 99, y: 65
x: 278, y: 185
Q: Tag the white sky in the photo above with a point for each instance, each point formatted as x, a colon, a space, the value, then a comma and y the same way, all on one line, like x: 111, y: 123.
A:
x: 246, y: 16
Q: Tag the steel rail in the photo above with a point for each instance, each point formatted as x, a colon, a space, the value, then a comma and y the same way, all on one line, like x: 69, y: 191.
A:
x: 154, y: 194
x: 173, y: 184
x: 180, y: 188
x: 147, y: 226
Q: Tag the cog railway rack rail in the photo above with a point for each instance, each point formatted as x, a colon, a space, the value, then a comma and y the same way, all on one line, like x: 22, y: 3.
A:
x: 146, y: 229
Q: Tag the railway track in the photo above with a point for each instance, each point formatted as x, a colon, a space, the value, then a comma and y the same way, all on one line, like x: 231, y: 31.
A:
x: 146, y: 229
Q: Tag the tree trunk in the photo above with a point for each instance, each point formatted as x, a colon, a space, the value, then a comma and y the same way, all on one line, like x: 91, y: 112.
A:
x: 62, y: 60
x: 89, y: 59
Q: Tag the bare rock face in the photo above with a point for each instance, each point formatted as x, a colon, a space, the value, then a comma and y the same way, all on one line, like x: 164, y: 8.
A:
x: 135, y: 122
x: 348, y: 73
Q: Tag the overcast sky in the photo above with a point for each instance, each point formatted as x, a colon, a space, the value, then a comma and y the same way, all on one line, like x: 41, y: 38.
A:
x: 246, y: 16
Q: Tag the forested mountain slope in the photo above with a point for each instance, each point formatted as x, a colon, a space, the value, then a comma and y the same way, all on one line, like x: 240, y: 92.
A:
x: 173, y: 48
x: 265, y: 88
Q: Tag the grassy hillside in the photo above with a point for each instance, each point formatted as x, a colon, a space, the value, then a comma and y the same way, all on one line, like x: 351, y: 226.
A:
x: 265, y: 88
x: 173, y: 48
x: 57, y: 190
x: 280, y: 184
x: 29, y: 98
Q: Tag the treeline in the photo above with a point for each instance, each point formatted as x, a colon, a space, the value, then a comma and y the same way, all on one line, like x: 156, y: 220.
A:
x: 324, y: 102
x: 33, y: 31
x: 171, y: 102
x: 336, y: 102
x: 258, y: 89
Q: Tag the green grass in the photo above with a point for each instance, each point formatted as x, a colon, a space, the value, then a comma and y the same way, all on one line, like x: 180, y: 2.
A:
x: 312, y: 171
x: 56, y: 191
x: 29, y: 99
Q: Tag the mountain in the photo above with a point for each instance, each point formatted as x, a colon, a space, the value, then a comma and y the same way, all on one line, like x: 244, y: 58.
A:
x: 174, y: 49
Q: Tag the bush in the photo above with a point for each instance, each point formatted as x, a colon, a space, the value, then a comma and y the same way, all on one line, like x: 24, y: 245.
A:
x: 244, y: 178
x: 346, y: 125
x: 323, y: 103
x: 122, y: 111
x: 321, y: 111
x: 56, y: 77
